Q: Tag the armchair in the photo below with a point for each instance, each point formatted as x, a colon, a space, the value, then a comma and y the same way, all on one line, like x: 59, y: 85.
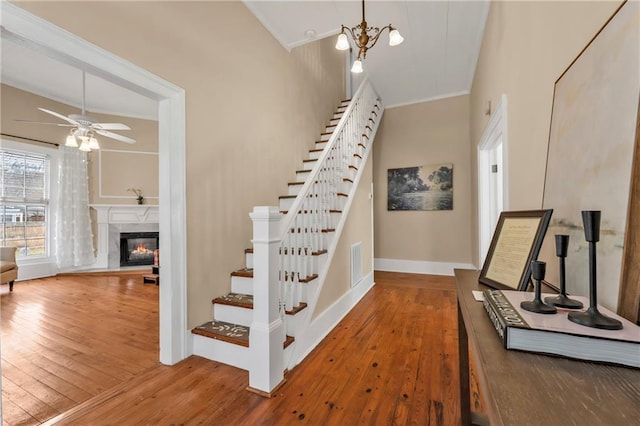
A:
x: 8, y: 266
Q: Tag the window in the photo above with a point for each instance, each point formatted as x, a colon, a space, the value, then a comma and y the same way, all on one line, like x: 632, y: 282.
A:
x: 24, y: 201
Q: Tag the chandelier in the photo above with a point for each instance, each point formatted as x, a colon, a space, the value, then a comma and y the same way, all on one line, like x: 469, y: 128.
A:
x: 365, y: 38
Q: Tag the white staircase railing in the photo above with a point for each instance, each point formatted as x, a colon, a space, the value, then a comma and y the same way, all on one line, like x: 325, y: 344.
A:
x: 279, y: 277
x: 304, y: 229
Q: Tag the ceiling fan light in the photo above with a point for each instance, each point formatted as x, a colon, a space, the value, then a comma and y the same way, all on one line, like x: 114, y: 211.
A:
x: 395, y: 38
x: 93, y: 143
x: 343, y: 42
x: 71, y: 141
x: 357, y: 67
x: 84, y: 146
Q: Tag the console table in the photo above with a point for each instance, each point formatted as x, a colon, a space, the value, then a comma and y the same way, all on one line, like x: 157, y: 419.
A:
x: 520, y: 388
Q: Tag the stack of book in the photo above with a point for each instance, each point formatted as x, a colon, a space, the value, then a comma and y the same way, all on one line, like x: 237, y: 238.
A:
x: 556, y: 335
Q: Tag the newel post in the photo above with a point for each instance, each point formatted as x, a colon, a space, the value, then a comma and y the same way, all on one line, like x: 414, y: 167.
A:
x: 267, y: 333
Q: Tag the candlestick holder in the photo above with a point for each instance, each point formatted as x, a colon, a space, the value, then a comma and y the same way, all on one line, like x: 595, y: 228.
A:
x: 561, y: 300
x: 592, y: 317
x: 537, y: 305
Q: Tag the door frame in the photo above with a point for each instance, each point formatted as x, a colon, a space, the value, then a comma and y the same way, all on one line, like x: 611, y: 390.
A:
x: 494, y: 133
x: 69, y: 48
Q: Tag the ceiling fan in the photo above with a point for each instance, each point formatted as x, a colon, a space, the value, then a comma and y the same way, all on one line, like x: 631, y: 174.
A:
x: 84, y: 128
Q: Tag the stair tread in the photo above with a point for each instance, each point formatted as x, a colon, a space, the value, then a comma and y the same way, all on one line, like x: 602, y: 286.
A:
x: 235, y: 299
x: 227, y: 332
x: 309, y: 278
x: 230, y: 333
x: 296, y: 309
x: 287, y: 341
x: 245, y: 272
x: 249, y: 250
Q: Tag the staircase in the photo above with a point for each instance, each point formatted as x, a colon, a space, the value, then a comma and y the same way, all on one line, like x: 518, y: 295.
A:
x: 257, y: 325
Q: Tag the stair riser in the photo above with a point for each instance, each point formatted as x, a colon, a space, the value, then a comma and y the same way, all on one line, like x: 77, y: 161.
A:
x: 287, y: 203
x: 351, y: 174
x: 314, y: 155
x: 334, y: 121
x: 308, y: 164
x: 219, y: 351
x: 294, y: 189
x: 233, y: 314
x: 321, y: 145
x: 344, y: 103
x: 242, y: 285
x: 295, y: 322
x: 302, y: 176
x: 248, y: 260
x: 325, y: 137
x: 288, y: 351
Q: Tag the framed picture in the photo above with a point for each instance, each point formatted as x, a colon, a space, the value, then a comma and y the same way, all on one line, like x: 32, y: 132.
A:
x: 427, y: 187
x: 516, y: 242
x: 594, y: 122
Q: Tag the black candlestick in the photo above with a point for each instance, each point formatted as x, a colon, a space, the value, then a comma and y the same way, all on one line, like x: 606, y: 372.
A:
x: 592, y: 317
x: 562, y: 244
x: 537, y: 305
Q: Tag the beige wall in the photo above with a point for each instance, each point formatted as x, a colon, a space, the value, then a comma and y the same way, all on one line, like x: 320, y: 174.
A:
x: 253, y: 110
x: 358, y: 228
x: 107, y: 175
x: 420, y: 134
x: 526, y: 46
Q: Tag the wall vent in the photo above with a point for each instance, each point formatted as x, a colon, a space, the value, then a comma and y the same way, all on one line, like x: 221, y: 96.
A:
x: 356, y: 263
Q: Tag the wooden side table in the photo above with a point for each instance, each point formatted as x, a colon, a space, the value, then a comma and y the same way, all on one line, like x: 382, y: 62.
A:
x: 522, y: 388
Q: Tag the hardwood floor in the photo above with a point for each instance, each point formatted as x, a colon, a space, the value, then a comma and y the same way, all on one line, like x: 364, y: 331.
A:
x: 70, y: 338
x: 392, y: 360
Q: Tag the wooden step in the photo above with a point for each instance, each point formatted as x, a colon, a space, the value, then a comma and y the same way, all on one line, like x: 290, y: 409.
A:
x: 235, y: 299
x: 296, y: 309
x: 245, y: 272
x: 287, y: 341
x: 230, y: 333
x: 227, y: 332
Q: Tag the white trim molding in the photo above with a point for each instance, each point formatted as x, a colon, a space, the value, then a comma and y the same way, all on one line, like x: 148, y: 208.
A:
x: 419, y: 266
x: 494, y: 133
x: 44, y: 37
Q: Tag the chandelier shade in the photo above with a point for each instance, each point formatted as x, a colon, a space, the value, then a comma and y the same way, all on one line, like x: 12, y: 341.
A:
x: 364, y: 38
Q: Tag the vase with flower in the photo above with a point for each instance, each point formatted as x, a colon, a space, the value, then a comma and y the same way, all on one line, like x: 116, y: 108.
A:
x: 138, y: 192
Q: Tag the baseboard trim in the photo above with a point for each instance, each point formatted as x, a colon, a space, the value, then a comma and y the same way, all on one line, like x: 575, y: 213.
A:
x: 329, y: 319
x: 418, y: 266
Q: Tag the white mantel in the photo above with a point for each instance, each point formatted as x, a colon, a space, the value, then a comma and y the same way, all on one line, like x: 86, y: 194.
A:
x: 128, y: 215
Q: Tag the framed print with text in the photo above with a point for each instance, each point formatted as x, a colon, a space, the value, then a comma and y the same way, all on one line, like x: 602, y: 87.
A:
x: 515, y: 243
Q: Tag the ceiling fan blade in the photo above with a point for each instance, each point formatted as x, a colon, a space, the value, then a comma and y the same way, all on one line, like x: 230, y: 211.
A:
x: 60, y: 116
x: 110, y: 126
x: 115, y: 136
x: 51, y: 124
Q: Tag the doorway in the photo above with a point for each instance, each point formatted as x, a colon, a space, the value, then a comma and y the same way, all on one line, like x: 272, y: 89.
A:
x: 492, y: 176
x: 44, y: 36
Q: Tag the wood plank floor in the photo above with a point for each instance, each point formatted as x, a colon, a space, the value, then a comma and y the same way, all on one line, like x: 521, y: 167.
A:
x: 392, y: 360
x: 70, y: 338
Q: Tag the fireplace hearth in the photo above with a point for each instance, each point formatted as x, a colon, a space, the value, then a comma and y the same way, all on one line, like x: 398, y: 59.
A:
x: 136, y: 248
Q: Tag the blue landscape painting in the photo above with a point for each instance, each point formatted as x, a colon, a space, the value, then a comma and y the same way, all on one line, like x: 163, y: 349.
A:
x: 420, y: 188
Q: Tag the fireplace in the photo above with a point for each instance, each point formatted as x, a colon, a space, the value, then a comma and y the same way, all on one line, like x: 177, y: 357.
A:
x: 136, y: 248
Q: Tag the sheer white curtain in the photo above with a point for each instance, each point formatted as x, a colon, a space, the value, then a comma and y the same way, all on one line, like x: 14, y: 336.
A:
x: 74, y: 239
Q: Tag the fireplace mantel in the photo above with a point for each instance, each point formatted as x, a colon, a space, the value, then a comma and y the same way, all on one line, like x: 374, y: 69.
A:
x: 126, y: 213
x: 119, y: 214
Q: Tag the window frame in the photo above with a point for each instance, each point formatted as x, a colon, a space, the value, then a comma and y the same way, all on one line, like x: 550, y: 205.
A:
x: 48, y: 201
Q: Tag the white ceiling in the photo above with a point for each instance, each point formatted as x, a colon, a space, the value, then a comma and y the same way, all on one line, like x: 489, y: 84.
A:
x: 33, y: 71
x: 437, y: 58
